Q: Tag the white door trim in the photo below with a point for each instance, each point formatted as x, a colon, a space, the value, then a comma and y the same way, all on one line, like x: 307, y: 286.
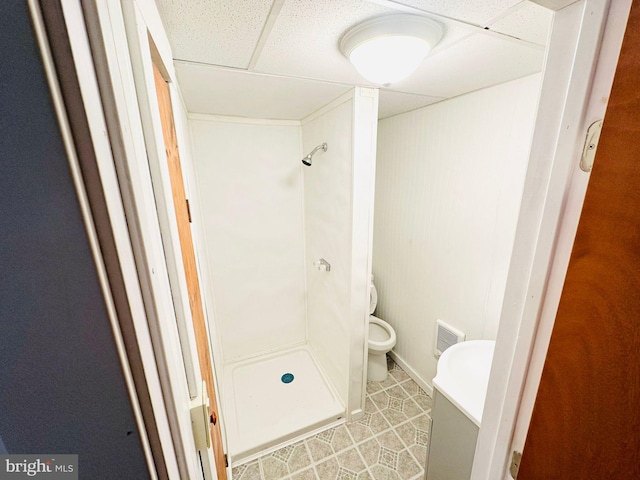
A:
x: 583, y: 51
x: 75, y: 27
x: 144, y: 310
x: 140, y: 36
x: 147, y: 39
x: 134, y: 190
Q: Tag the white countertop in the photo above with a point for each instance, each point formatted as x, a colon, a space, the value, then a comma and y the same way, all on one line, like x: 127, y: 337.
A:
x: 463, y: 375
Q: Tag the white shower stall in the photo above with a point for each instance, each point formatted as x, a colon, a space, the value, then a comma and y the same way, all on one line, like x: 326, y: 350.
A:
x: 267, y: 221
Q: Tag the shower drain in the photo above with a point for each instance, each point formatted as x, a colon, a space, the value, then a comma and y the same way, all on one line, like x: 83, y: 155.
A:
x: 287, y: 378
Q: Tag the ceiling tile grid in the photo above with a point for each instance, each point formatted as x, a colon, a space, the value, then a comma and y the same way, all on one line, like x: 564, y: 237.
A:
x: 302, y: 46
x: 304, y: 40
x: 218, y: 32
x: 530, y: 22
x: 476, y: 62
x: 476, y: 12
x: 393, y: 103
x: 222, y: 91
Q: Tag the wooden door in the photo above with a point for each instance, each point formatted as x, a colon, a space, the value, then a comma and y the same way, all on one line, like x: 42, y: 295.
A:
x: 189, y: 260
x: 586, y: 419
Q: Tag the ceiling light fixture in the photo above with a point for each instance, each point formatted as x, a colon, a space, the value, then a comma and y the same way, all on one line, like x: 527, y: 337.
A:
x: 388, y: 49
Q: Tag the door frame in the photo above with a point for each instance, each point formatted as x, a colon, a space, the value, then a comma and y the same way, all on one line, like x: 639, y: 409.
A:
x: 183, y: 220
x: 98, y: 37
x: 145, y: 307
x: 91, y: 167
x: 148, y: 44
x: 145, y: 46
x: 589, y: 32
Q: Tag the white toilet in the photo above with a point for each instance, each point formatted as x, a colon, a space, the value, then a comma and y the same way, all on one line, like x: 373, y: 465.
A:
x: 382, y: 338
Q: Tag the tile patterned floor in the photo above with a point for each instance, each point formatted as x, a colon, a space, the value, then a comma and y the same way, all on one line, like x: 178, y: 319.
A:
x: 388, y: 443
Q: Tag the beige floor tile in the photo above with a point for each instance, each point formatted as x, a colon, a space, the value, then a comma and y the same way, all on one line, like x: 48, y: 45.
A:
x: 273, y: 468
x: 424, y: 401
x: 373, y: 387
x: 350, y: 461
x: 369, y: 406
x: 319, y: 449
x: 396, y: 392
x: 410, y: 408
x: 411, y: 387
x: 420, y: 454
x: 380, y: 399
x: 383, y: 473
x: 386, y: 383
x: 299, y: 458
x: 394, y: 417
x: 370, y: 451
x: 368, y: 426
x: 390, y: 440
x: 248, y: 471
x: 423, y: 422
x: 407, y: 467
x: 341, y: 439
x: 328, y: 470
x: 378, y: 423
x: 399, y: 375
x: 308, y: 474
x: 407, y: 433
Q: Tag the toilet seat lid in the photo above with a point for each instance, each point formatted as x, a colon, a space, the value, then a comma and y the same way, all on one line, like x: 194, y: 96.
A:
x: 373, y: 299
x: 378, y: 333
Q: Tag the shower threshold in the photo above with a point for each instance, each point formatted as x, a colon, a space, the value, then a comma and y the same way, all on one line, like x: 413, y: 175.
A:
x: 275, y: 398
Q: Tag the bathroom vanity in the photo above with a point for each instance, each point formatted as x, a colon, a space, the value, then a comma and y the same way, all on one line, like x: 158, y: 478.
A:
x: 460, y: 387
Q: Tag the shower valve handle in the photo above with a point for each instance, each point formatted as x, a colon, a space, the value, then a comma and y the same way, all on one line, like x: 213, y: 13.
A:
x: 322, y: 265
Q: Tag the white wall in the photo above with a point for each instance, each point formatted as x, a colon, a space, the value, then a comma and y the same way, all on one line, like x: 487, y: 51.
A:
x: 448, y: 190
x: 338, y: 201
x: 327, y: 203
x: 250, y: 189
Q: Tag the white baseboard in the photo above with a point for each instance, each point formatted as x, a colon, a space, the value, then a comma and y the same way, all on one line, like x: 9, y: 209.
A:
x: 355, y: 415
x: 427, y: 387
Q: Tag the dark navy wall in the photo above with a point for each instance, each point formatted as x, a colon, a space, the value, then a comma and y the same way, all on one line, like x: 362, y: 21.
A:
x: 61, y: 385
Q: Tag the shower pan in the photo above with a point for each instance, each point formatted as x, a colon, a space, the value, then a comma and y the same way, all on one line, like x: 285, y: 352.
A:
x: 281, y: 396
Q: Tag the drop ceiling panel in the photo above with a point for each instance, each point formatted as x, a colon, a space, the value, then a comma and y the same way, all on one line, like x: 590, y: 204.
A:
x: 393, y: 103
x: 477, y: 12
x: 305, y: 39
x: 530, y: 22
x: 478, y: 61
x: 221, y: 32
x: 219, y: 91
x: 303, y: 43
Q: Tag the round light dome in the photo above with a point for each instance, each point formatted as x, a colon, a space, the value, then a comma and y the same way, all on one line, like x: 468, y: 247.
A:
x: 387, y: 49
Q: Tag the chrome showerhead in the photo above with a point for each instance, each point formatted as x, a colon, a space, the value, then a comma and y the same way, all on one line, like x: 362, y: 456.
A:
x: 307, y: 160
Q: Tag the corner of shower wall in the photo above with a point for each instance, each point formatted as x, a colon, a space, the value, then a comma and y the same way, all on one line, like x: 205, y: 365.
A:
x: 338, y: 203
x: 365, y: 130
